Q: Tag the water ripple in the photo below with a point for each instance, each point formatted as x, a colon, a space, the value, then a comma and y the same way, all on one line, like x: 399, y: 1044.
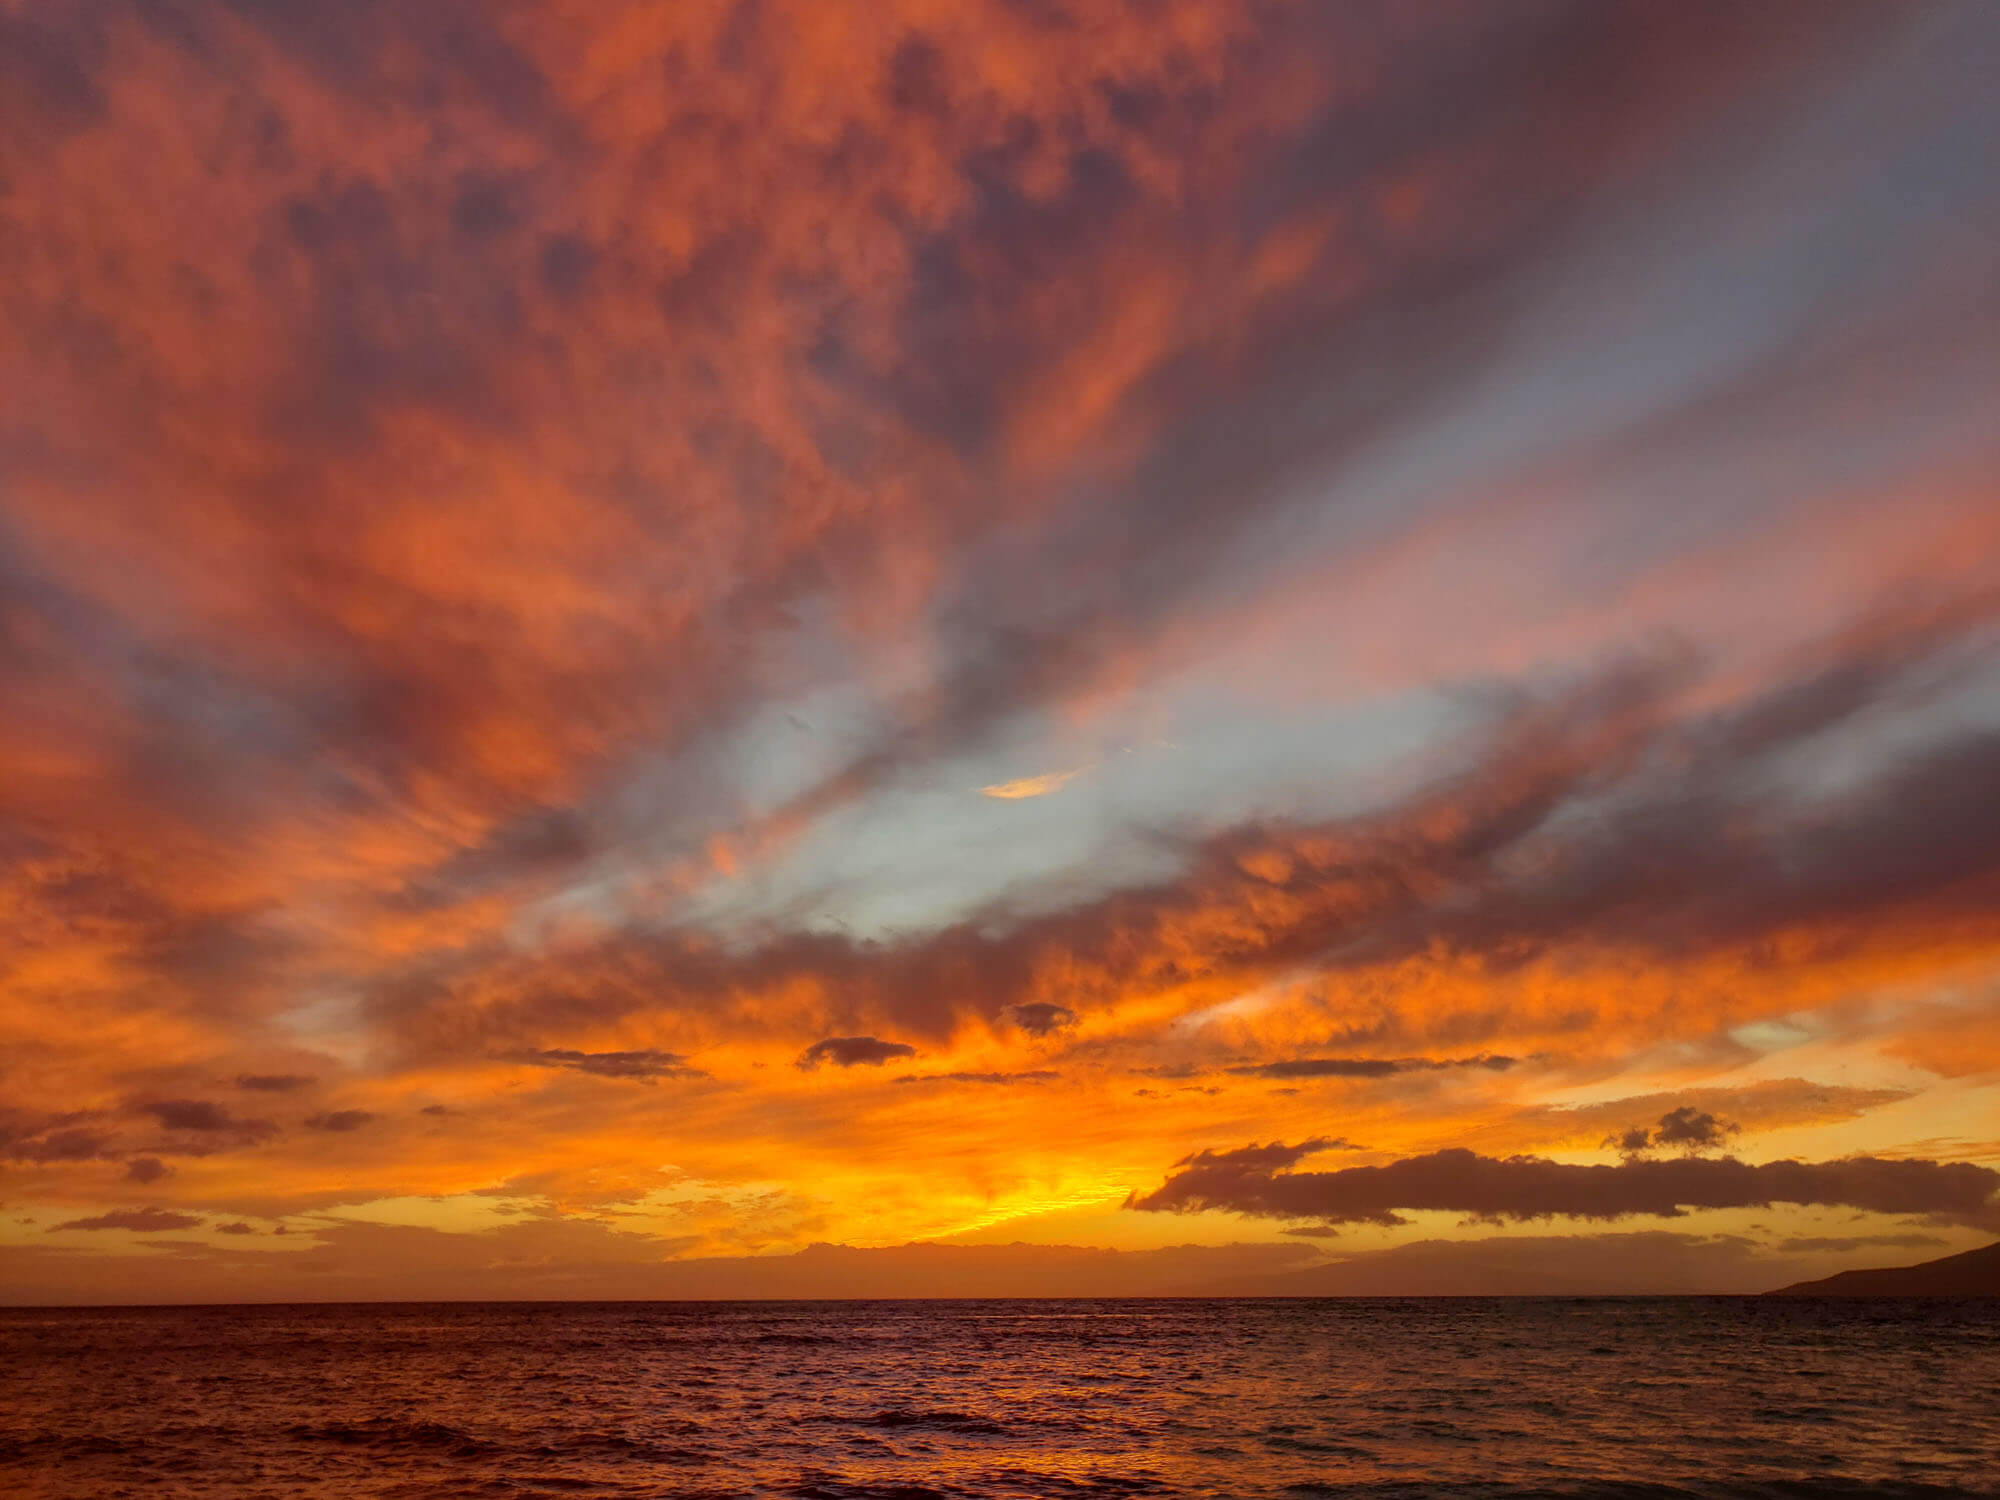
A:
x: 1694, y: 1399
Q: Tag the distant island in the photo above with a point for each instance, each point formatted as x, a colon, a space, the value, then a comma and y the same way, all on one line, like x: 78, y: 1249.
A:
x: 1975, y: 1273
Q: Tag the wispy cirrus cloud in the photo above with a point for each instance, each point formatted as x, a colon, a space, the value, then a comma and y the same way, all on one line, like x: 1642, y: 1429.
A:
x: 1031, y: 1075
x: 138, y: 1220
x: 339, y: 1121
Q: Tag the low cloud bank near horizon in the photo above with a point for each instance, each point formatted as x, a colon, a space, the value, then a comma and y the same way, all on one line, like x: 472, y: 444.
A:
x: 1262, y: 1181
x: 564, y: 1259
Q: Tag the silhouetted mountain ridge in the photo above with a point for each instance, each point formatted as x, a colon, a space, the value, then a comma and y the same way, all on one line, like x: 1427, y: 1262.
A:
x: 1974, y: 1273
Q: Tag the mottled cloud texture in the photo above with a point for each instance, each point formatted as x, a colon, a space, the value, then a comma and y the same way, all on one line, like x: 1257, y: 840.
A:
x: 578, y: 581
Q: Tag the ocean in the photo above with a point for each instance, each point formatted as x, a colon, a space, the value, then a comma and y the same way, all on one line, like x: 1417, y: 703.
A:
x: 1447, y: 1397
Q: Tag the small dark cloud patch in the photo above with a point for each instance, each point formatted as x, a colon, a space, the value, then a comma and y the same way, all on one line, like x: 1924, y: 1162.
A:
x: 51, y: 1138
x: 1367, y: 1067
x: 1323, y: 1067
x: 437, y: 1109
x: 1033, y: 1075
x: 1314, y: 1231
x: 1686, y: 1129
x: 1042, y: 1017
x: 272, y: 1083
x: 644, y: 1065
x: 851, y: 1051
x: 190, y: 1114
x: 239, y: 1227
x: 199, y: 1115
x: 146, y: 1169
x: 205, y: 1127
x: 1693, y: 1130
x: 143, y: 1220
x: 339, y: 1120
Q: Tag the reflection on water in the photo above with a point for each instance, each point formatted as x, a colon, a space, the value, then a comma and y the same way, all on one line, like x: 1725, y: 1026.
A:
x: 914, y: 1399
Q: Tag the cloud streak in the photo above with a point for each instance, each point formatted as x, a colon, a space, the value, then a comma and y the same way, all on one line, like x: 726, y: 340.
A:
x: 137, y: 1220
x: 1365, y: 1067
x: 645, y: 1065
x: 1030, y: 786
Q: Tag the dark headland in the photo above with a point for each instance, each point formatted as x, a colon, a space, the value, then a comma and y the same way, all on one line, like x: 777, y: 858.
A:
x: 1976, y: 1273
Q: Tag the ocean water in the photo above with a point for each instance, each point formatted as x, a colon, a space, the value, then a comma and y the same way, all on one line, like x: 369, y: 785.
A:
x: 1474, y: 1397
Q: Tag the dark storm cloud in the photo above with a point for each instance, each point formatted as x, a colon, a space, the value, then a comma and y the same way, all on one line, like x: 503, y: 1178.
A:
x: 1366, y: 1067
x: 339, y: 1120
x: 148, y: 1220
x: 645, y: 1065
x: 1258, y: 1181
x: 848, y: 1051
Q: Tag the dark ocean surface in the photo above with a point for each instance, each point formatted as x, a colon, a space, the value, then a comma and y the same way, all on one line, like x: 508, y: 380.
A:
x: 1469, y: 1397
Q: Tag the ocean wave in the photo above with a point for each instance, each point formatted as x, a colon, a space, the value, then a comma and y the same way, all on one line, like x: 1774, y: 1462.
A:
x: 389, y: 1433
x: 940, y: 1421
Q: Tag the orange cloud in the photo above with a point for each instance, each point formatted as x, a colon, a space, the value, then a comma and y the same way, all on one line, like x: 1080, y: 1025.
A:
x: 1030, y: 786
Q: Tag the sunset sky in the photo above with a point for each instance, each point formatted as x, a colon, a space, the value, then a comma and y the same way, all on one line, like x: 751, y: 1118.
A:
x: 642, y: 631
